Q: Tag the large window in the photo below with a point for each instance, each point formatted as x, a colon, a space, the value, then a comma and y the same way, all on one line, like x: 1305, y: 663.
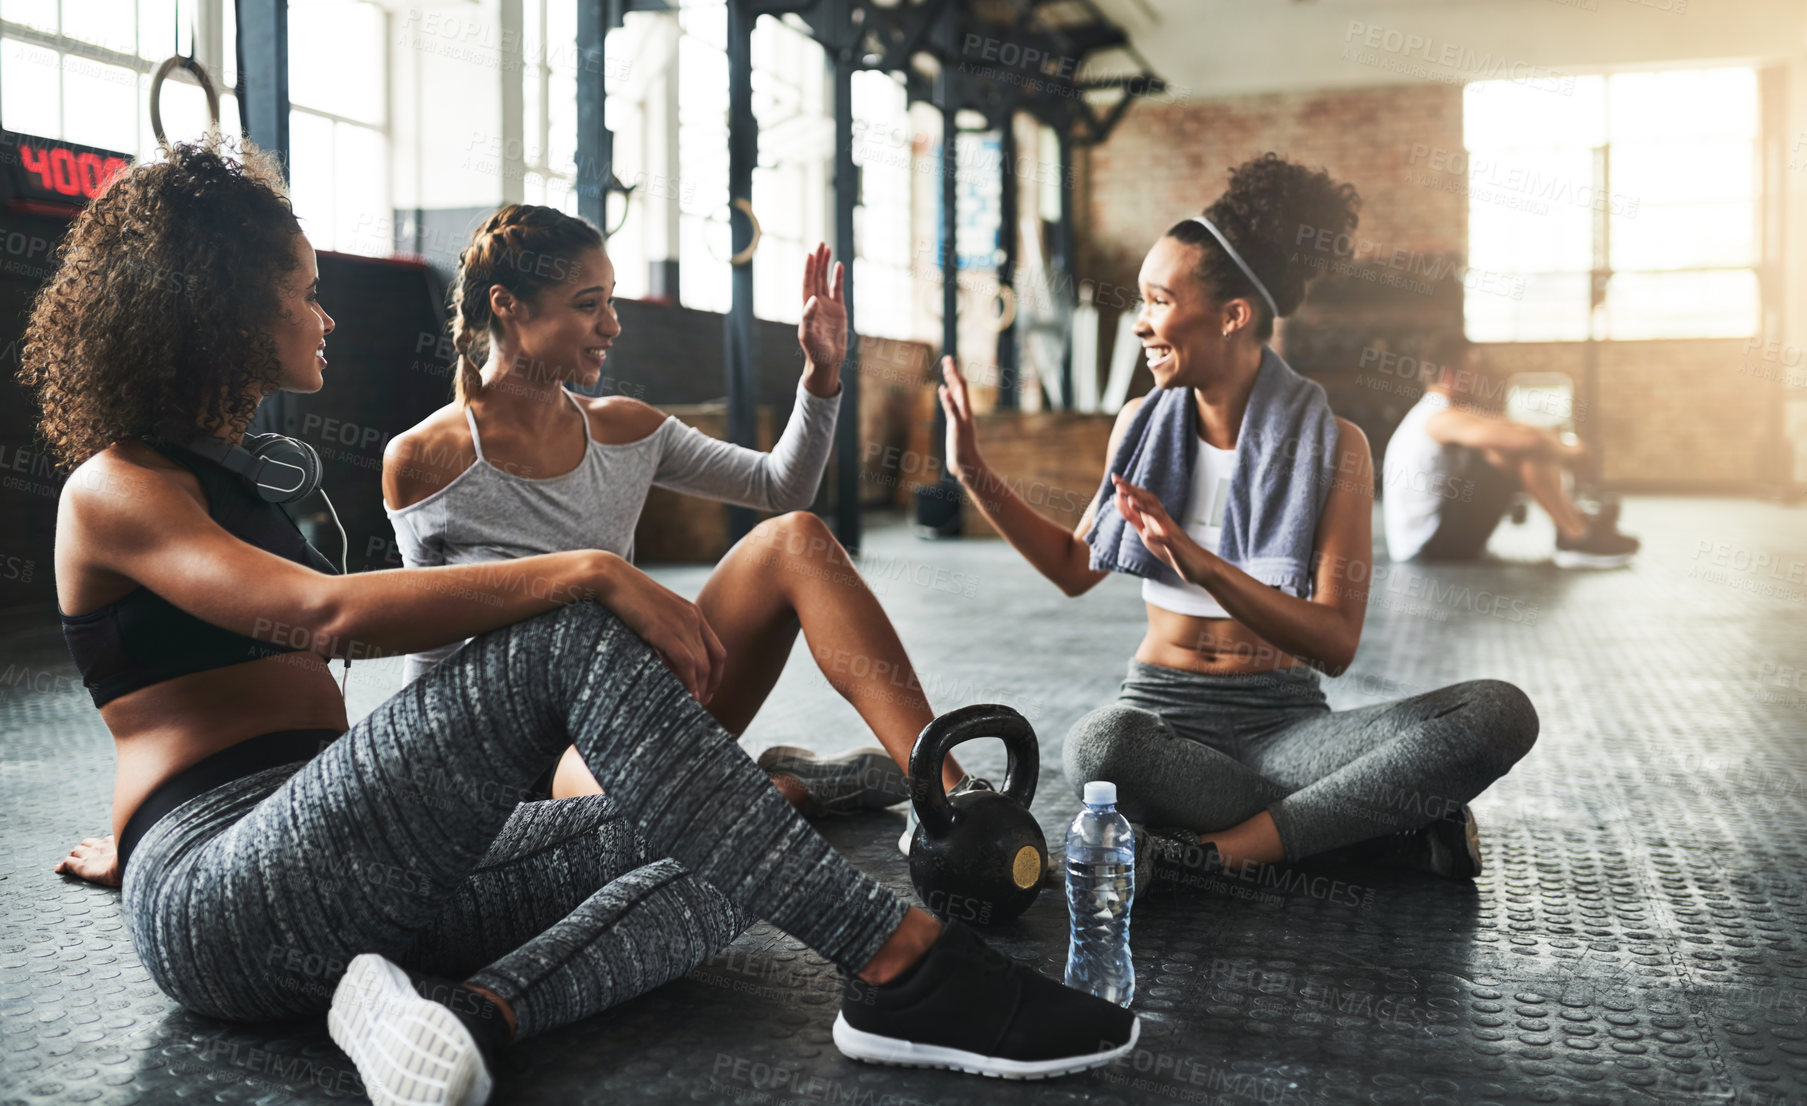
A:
x: 1629, y: 208
x: 703, y: 241
x: 80, y: 71
x: 791, y: 179
x: 549, y: 101
x: 883, y: 150
x: 338, y: 123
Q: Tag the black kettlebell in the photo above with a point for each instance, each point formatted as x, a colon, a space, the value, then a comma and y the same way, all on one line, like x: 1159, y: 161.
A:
x: 978, y: 857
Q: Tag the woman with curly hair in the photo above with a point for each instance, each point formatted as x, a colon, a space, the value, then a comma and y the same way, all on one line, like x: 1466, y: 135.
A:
x: 280, y: 862
x: 517, y: 465
x: 1245, y: 507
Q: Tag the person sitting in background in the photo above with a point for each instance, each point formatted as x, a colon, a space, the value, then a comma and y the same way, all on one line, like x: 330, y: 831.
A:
x: 1452, y: 466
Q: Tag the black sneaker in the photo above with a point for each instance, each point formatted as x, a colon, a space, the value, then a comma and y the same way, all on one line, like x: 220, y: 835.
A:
x: 967, y: 1007
x: 1171, y: 858
x: 1600, y: 547
x: 1449, y: 847
x: 412, y: 1050
x: 865, y: 779
x: 1164, y: 854
x: 1161, y: 853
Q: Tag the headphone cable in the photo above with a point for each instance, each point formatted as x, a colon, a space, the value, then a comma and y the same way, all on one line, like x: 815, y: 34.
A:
x: 344, y: 549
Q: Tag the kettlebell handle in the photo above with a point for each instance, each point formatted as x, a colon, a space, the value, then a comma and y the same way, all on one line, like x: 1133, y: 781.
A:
x: 1022, y: 768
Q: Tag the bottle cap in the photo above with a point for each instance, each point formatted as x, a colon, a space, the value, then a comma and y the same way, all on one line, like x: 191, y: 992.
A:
x: 1101, y: 793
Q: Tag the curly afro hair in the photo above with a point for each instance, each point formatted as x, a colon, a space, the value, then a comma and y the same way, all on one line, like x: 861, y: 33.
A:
x: 1269, y: 204
x: 158, y: 318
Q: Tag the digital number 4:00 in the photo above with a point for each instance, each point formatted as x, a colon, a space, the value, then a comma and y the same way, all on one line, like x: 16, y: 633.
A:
x: 68, y: 173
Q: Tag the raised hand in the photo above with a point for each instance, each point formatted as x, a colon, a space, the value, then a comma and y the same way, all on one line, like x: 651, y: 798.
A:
x: 962, y: 436
x: 822, y: 332
x: 1164, y: 538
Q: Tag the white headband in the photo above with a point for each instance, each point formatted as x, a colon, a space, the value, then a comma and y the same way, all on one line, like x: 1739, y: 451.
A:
x: 1240, y: 263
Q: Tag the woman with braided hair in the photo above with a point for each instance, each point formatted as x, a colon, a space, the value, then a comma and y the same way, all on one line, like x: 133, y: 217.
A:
x: 1245, y: 506
x: 518, y: 465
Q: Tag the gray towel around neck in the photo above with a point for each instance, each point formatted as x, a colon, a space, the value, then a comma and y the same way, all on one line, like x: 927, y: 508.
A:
x: 1285, y: 460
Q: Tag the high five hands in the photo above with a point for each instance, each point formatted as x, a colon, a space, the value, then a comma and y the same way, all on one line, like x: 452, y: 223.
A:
x: 822, y: 332
x: 1164, y: 538
x: 963, y: 458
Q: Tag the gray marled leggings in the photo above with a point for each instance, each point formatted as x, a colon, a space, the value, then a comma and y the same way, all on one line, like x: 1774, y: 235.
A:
x: 406, y: 837
x: 1208, y: 752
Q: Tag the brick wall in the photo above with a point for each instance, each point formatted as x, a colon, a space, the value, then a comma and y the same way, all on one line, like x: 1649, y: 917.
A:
x: 1697, y: 414
x: 1166, y: 162
x: 1672, y: 415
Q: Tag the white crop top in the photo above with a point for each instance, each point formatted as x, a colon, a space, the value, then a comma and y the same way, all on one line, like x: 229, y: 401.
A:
x: 1206, y: 501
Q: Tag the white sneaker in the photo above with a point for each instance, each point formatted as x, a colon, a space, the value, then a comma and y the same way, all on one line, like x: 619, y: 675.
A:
x: 410, y: 1051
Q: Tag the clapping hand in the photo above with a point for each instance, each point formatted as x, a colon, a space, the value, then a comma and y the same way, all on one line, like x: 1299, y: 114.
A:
x: 1164, y: 538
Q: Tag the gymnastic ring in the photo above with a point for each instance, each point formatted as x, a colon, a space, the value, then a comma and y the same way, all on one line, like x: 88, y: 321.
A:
x: 200, y: 75
x: 627, y: 199
x: 746, y: 255
x: 1006, y: 308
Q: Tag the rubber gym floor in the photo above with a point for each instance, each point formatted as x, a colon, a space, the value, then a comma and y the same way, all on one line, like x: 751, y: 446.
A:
x: 1639, y: 934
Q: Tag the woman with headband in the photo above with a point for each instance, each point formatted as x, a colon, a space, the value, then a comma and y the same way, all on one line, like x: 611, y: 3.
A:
x: 1245, y: 506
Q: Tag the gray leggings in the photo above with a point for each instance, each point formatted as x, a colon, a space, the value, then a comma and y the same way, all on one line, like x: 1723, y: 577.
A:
x: 405, y: 837
x: 1208, y: 752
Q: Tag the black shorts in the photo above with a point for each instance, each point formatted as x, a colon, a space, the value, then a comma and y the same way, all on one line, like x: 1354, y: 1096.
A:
x: 1467, y: 520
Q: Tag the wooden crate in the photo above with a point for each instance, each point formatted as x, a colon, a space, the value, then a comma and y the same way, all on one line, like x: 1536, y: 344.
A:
x: 1053, y: 459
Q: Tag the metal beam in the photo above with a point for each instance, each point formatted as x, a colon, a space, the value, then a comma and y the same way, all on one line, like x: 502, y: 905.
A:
x: 743, y: 152
x: 263, y: 99
x: 1008, y: 399
x: 904, y: 29
x: 943, y: 508
x: 1064, y: 266
x: 846, y: 194
x: 950, y: 226
x: 263, y: 67
x: 595, y: 142
x: 911, y: 30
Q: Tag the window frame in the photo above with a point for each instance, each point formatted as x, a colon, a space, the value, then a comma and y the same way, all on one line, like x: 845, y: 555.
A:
x: 1599, y: 275
x: 209, y: 21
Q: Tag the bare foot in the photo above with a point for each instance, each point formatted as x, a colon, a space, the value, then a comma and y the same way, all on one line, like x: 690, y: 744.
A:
x: 905, y: 947
x: 507, y: 1010
x: 792, y: 789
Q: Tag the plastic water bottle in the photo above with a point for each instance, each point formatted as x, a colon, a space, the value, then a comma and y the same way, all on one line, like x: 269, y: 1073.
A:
x: 1101, y: 881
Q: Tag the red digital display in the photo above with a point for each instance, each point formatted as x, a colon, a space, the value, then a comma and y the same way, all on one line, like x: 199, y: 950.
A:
x: 60, y: 172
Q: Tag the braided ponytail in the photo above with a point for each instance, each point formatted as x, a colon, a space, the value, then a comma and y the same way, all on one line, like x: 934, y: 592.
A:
x: 525, y: 249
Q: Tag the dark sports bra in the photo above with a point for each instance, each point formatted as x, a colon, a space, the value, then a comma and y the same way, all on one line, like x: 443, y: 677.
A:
x: 142, y: 638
